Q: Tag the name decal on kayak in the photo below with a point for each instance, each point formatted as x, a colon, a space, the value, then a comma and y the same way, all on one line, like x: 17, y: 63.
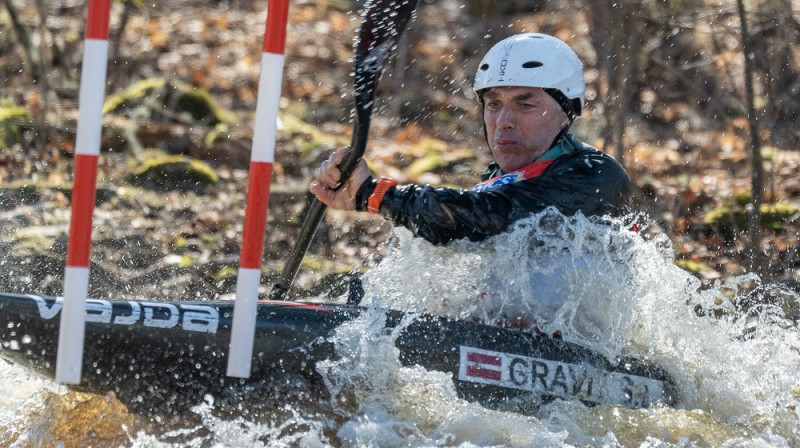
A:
x: 554, y: 378
x: 199, y: 318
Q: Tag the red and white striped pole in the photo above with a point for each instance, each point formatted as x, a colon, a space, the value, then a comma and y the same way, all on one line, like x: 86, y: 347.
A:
x: 262, y: 155
x: 87, y: 149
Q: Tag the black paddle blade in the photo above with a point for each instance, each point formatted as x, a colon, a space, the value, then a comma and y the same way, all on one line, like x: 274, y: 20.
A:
x: 383, y: 23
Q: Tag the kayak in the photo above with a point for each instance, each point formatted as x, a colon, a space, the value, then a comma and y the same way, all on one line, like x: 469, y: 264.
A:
x: 170, y: 355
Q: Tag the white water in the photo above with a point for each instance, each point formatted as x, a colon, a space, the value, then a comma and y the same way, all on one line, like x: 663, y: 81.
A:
x: 622, y: 295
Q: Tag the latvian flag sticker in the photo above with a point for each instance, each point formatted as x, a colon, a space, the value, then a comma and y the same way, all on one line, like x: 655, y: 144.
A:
x: 480, y: 366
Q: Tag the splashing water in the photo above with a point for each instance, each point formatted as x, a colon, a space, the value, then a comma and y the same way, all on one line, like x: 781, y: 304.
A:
x: 600, y: 285
x: 606, y: 287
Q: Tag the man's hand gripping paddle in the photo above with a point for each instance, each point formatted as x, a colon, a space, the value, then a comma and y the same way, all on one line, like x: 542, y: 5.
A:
x: 384, y: 21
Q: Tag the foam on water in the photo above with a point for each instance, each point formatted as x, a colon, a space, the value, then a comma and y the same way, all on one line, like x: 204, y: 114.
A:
x: 601, y: 285
x: 606, y: 287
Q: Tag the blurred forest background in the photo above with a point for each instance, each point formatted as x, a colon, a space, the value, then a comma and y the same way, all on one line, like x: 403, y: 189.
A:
x: 710, y: 137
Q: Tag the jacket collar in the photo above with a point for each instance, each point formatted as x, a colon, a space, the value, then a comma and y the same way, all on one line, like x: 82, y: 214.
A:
x: 565, y: 146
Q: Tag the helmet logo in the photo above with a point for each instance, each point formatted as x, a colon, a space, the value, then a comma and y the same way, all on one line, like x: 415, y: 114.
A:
x: 504, y: 61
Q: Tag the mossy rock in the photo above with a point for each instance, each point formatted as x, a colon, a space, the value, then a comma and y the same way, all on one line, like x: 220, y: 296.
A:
x: 429, y: 163
x: 14, y: 121
x: 305, y: 136
x: 174, y: 172
x: 770, y: 154
x: 730, y: 219
x: 308, y: 137
x: 313, y: 263
x: 436, y: 156
x: 695, y: 267
x: 743, y: 198
x: 725, y: 221
x: 178, y: 97
x: 225, y: 278
x: 777, y: 216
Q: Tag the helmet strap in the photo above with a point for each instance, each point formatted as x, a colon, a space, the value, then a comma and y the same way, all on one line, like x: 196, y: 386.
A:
x: 567, y: 105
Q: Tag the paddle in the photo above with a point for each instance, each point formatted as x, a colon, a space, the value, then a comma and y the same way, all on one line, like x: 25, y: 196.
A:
x: 384, y: 21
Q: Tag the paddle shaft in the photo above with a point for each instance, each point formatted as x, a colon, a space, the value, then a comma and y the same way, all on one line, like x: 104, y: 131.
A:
x: 316, y: 210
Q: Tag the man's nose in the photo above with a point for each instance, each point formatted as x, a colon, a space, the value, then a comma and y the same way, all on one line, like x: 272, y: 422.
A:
x: 505, y: 118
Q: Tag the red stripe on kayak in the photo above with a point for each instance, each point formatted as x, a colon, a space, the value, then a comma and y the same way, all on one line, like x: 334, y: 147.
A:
x: 307, y: 306
x: 484, y: 359
x: 255, y: 218
x: 83, y: 196
x: 97, y: 22
x: 489, y: 374
x: 275, y: 35
x: 304, y: 305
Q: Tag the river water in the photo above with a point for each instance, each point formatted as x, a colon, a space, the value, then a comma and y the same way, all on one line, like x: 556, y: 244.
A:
x: 603, y: 286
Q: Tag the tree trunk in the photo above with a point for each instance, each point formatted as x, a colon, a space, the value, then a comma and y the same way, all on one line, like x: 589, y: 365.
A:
x: 774, y: 35
x: 756, y: 163
x: 617, y: 55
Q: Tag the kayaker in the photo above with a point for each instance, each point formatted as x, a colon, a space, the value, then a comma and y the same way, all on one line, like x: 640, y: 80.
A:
x: 531, y: 88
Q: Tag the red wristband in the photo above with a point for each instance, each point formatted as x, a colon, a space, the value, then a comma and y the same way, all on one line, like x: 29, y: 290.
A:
x: 375, y: 199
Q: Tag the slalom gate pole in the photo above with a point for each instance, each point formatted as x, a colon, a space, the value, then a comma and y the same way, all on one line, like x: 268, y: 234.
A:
x: 255, y: 219
x: 87, y: 150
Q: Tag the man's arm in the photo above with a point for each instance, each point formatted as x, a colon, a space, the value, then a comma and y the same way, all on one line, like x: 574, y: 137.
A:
x: 589, y: 182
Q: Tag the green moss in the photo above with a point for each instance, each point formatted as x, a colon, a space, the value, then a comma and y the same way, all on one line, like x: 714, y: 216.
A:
x: 134, y: 93
x: 226, y: 273
x: 306, y: 136
x: 719, y: 214
x: 341, y: 5
x: 14, y: 113
x: 186, y: 261
x: 220, y: 132
x: 770, y: 153
x: 295, y: 108
x: 432, y: 145
x: 201, y: 105
x: 734, y: 112
x: 427, y: 164
x: 313, y: 264
x: 777, y: 216
x: 14, y: 121
x: 742, y: 198
x: 695, y: 267
x: 317, y: 264
x: 730, y: 219
x: 180, y: 243
x: 433, y: 157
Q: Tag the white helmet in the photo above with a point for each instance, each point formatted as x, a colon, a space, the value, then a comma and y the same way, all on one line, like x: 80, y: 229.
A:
x: 535, y: 60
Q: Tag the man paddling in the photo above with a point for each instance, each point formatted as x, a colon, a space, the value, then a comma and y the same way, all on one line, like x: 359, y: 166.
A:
x: 531, y: 88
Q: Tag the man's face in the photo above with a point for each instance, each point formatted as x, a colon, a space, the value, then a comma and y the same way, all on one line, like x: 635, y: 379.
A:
x: 521, y: 123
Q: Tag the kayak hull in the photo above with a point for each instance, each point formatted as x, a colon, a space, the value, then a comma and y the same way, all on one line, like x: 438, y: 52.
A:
x: 167, y: 356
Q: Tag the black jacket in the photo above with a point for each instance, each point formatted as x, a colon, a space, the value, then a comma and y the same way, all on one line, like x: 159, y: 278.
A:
x: 582, y: 180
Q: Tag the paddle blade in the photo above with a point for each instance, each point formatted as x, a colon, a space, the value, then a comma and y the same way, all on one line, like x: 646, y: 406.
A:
x: 383, y: 23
